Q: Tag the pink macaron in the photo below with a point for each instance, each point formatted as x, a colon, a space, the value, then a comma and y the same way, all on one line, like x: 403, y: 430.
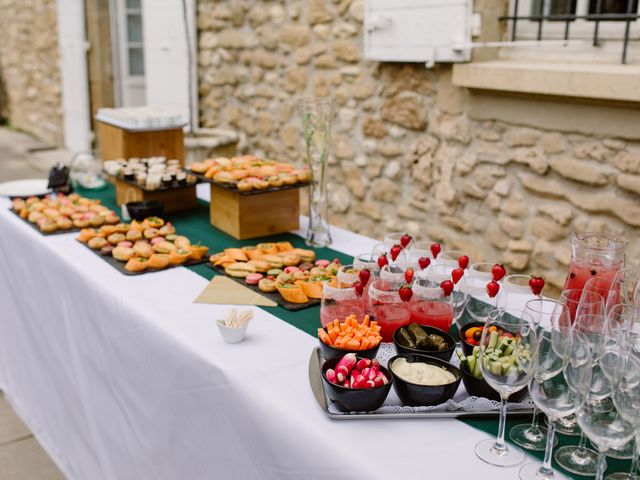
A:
x: 322, y: 263
x: 291, y: 269
x: 253, y: 278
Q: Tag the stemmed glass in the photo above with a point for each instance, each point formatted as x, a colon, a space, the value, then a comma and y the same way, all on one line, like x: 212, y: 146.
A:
x: 474, y: 284
x: 430, y: 306
x: 340, y: 303
x: 506, y: 377
x: 625, y: 288
x: 549, y: 389
x: 532, y: 436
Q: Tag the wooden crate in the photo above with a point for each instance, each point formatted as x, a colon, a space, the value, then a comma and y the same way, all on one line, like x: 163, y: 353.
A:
x: 173, y: 200
x: 116, y: 142
x: 250, y: 216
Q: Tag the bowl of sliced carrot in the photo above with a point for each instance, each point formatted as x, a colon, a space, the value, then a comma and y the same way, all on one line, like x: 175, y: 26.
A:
x: 350, y: 336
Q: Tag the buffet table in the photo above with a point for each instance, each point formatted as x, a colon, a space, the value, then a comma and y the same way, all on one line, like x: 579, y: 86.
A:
x: 125, y: 378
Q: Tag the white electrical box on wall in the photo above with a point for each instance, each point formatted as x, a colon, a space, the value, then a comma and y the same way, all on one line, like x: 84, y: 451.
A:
x: 418, y: 30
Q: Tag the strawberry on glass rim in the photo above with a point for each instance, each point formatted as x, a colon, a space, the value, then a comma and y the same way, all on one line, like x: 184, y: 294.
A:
x: 536, y: 284
x: 405, y: 293
x: 498, y: 272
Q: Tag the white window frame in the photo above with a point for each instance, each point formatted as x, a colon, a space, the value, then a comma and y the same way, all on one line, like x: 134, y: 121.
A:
x: 124, y: 81
x: 580, y: 48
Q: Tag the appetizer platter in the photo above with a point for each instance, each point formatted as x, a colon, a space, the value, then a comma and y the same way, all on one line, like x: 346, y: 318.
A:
x: 55, y: 214
x: 292, y: 277
x: 250, y: 175
x: 142, y: 247
x: 150, y: 174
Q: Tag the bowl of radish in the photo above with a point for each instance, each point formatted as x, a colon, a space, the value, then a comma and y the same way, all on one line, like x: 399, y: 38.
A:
x: 356, y: 384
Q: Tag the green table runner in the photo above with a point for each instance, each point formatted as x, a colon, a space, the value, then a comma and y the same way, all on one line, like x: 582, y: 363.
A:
x: 195, y: 224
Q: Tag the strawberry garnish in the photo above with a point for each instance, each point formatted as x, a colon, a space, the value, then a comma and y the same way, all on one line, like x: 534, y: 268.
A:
x: 536, y: 284
x: 359, y: 288
x: 436, y: 248
x: 395, y: 251
x: 405, y: 293
x: 498, y: 271
x: 336, y: 261
x: 463, y: 261
x: 408, y: 275
x: 382, y: 260
x: 424, y: 262
x: 456, y: 275
x: 492, y: 288
x: 405, y: 240
x: 364, y: 275
x: 447, y: 287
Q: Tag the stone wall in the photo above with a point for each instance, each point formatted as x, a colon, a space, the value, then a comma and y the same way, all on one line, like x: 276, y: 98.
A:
x: 407, y: 156
x: 30, y: 70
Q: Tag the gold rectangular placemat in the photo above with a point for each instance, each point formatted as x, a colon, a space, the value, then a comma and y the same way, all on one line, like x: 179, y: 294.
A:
x: 224, y: 291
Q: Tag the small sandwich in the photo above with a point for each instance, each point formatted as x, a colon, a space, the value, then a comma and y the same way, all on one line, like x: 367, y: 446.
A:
x: 236, y: 253
x: 290, y: 259
x: 304, y: 254
x: 274, y: 260
x: 261, y: 266
x: 292, y: 293
x: 239, y: 269
x: 268, y: 248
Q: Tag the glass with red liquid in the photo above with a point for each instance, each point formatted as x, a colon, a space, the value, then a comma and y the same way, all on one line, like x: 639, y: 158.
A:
x: 594, y: 255
x: 429, y: 306
x: 387, y: 308
x: 339, y: 303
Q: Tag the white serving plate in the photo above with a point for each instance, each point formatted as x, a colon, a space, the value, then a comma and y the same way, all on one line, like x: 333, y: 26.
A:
x: 24, y: 188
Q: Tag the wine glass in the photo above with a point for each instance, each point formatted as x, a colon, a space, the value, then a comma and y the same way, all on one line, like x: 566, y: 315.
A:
x: 550, y: 391
x: 515, y: 290
x: 532, y: 436
x: 366, y: 260
x: 506, y: 376
x: 391, y: 239
x: 479, y: 304
x: 625, y: 288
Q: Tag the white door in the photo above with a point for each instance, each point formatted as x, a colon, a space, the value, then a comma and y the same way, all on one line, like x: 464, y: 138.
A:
x: 128, y: 49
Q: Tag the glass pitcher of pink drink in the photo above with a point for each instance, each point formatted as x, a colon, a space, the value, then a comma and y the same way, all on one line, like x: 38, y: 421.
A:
x: 595, y: 255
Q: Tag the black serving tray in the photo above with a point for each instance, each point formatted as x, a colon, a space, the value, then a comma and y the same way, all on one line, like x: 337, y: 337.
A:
x: 275, y: 296
x: 232, y: 187
x: 118, y: 265
x: 162, y: 188
x: 35, y: 227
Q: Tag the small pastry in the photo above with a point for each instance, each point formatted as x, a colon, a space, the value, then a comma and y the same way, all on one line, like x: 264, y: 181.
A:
x: 178, y: 257
x: 312, y: 289
x: 122, y: 253
x: 284, y: 246
x: 304, y: 175
x: 301, y: 275
x: 284, y: 278
x: 236, y: 253
x: 96, y: 221
x: 274, y: 272
x: 252, y: 252
x: 135, y: 225
x: 164, y: 247
x: 191, y: 179
x: 143, y: 249
x: 289, y: 179
x: 253, y: 278
x: 125, y: 243
x: 111, y: 219
x: 261, y: 184
x: 332, y: 268
x: 284, y: 167
x: 171, y: 237
x: 291, y: 269
x: 133, y: 235
x: 106, y: 250
x: 167, y: 229
x: 35, y: 216
x: 267, y: 285
x: 290, y: 259
x: 136, y: 264
x: 152, y: 222
x: 81, y: 223
x: 159, y: 260
x: 150, y: 233
x: 46, y: 225
x: 51, y: 213
x: 238, y: 174
x: 197, y: 252
x: 63, y: 223
x: 317, y: 271
x: 114, y: 238
x: 268, y: 248
x: 274, y: 260
x: 322, y: 262
x: 96, y: 243
x: 244, y: 186
x: 260, y: 265
x: 18, y: 204
x: 182, y: 242
x: 224, y: 177
x: 305, y: 266
x: 122, y: 227
x: 212, y: 171
x: 86, y: 234
x: 239, y: 269
x: 198, y: 167
x: 107, y: 230
x: 292, y: 293
x: 304, y: 254
x: 275, y: 181
x: 221, y: 260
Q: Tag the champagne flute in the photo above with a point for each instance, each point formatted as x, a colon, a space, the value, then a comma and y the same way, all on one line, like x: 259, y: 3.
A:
x: 531, y: 436
x: 550, y: 391
x: 507, y: 374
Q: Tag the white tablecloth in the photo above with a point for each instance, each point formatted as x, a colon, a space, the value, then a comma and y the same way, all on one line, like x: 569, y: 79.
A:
x: 125, y: 378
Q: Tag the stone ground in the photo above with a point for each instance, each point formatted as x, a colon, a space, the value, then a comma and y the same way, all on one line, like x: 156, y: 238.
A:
x: 21, y: 456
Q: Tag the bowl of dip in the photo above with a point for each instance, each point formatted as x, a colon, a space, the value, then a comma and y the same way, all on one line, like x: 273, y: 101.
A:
x: 421, y: 380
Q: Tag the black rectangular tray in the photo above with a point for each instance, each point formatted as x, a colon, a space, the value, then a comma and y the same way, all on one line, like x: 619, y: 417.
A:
x: 233, y: 188
x: 275, y: 296
x: 35, y: 227
x: 161, y: 188
x: 118, y: 265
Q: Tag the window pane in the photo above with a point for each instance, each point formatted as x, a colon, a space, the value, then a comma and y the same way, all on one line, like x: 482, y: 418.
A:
x: 133, y: 3
x: 612, y: 6
x: 134, y: 28
x: 553, y: 7
x: 136, y: 61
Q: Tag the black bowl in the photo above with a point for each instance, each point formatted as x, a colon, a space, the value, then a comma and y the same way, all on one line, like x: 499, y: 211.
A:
x: 442, y: 355
x: 355, y: 399
x: 413, y: 394
x: 144, y: 209
x: 329, y: 352
x: 467, y: 348
x: 478, y: 387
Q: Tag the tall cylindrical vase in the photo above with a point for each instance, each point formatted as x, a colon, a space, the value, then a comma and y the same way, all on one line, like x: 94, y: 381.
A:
x: 317, y: 114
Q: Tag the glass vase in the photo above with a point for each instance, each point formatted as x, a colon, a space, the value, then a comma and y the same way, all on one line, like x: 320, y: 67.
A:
x: 317, y: 114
